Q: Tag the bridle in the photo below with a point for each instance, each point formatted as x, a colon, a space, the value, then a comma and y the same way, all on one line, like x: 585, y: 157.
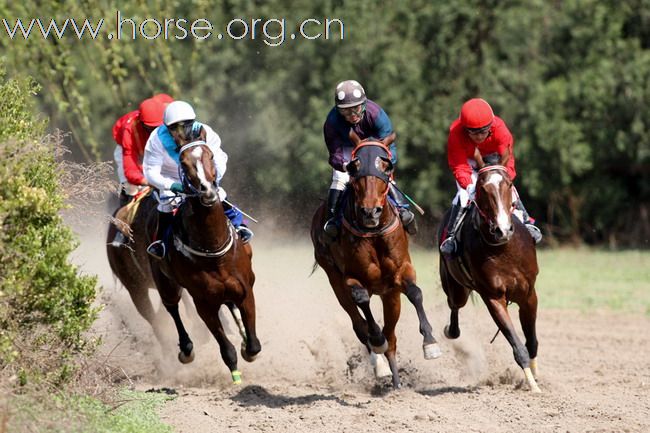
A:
x: 182, y: 247
x: 394, y: 224
x: 187, y: 185
x: 480, y: 214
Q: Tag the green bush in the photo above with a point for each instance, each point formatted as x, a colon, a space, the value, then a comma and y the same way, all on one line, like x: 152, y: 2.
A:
x: 44, y: 302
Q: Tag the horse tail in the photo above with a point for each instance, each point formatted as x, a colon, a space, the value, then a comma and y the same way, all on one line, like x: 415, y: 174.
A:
x: 313, y: 269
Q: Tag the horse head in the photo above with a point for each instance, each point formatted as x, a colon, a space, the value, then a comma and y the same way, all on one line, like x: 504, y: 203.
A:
x: 494, y: 202
x: 197, y: 169
x: 370, y: 173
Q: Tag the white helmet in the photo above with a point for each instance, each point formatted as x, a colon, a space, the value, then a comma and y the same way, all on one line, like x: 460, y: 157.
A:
x: 178, y: 111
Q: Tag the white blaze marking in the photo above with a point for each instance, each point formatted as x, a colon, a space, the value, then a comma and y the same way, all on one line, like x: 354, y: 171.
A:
x: 503, y: 219
x: 197, y: 152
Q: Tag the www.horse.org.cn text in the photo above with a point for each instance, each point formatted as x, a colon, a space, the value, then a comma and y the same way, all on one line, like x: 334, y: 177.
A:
x: 272, y: 31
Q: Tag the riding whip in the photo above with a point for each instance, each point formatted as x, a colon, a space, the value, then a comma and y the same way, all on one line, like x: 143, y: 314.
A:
x: 415, y: 205
x: 242, y: 212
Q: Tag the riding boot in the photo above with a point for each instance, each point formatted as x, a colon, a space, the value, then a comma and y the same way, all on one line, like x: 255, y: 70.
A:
x: 405, y: 214
x: 331, y: 227
x: 157, y: 248
x: 528, y: 222
x: 448, y: 246
x: 237, y: 219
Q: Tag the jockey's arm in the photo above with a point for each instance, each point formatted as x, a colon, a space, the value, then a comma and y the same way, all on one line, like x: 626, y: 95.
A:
x: 152, y: 163
x: 219, y: 157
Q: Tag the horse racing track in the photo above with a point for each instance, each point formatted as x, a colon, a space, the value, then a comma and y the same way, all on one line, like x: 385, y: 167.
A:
x: 313, y: 375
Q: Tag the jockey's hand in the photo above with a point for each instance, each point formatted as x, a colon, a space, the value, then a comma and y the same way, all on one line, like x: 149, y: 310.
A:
x: 471, y: 191
x: 177, y: 187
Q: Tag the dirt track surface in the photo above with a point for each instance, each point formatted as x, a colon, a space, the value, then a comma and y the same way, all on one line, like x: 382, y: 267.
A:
x: 313, y: 376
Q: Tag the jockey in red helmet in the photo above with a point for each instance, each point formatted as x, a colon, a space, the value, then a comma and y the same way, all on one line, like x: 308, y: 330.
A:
x: 477, y: 128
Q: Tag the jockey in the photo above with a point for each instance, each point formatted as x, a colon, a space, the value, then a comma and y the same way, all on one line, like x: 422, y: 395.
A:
x: 478, y: 128
x: 161, y: 161
x: 131, y: 133
x: 353, y: 111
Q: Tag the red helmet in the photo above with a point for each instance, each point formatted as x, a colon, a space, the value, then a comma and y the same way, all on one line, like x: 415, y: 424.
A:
x: 476, y: 113
x: 163, y: 98
x: 151, y: 112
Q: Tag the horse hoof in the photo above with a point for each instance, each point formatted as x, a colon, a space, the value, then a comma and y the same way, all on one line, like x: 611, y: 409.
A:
x: 531, y: 381
x: 245, y: 355
x: 450, y: 335
x: 380, y: 349
x: 186, y: 359
x: 236, y: 377
x: 431, y: 351
x: 380, y: 365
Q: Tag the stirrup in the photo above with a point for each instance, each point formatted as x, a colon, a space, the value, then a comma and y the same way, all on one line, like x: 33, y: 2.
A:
x: 157, y: 250
x: 448, y: 246
x: 408, y: 220
x: 119, y: 240
x: 330, y: 228
x: 245, y: 234
x: 534, y: 232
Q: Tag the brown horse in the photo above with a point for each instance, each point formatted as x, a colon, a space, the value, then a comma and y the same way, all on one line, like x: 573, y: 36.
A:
x: 497, y: 259
x: 371, y: 257
x: 206, y: 257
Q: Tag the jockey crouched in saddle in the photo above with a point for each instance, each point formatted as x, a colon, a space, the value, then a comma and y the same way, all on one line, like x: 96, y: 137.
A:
x: 353, y: 111
x: 477, y: 128
x: 131, y: 132
x: 161, y: 169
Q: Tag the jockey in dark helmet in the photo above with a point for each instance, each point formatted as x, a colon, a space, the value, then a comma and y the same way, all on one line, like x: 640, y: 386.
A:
x: 354, y: 111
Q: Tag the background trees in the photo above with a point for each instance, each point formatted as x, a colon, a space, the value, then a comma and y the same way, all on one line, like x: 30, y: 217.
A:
x: 571, y: 79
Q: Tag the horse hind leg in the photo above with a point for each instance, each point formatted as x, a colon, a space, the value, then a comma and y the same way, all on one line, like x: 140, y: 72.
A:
x: 430, y: 346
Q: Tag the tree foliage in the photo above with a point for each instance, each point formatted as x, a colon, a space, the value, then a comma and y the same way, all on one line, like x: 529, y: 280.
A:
x: 570, y: 78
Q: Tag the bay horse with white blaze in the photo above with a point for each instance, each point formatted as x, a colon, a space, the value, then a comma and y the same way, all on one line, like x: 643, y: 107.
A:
x: 497, y: 259
x: 371, y: 257
x: 205, y: 256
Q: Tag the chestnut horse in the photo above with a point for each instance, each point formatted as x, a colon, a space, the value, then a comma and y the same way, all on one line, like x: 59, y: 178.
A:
x: 371, y: 257
x: 497, y: 259
x: 206, y: 257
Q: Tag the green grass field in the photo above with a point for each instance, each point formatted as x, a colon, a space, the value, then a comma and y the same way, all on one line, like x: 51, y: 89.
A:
x: 582, y: 279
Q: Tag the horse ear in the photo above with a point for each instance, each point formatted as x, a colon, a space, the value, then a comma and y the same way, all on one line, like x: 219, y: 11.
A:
x: 353, y: 167
x: 478, y: 158
x: 387, y: 167
x: 354, y: 138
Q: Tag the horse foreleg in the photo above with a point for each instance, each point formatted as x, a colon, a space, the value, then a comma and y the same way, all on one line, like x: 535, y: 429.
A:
x: 251, y: 345
x: 210, y: 316
x: 376, y: 338
x: 170, y: 294
x: 528, y: 318
x: 430, y: 345
x: 359, y: 324
x: 186, y: 354
x: 499, y: 312
x: 392, y: 306
x: 457, y: 296
x: 452, y: 331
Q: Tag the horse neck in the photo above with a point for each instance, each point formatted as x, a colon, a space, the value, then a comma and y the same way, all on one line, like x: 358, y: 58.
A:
x: 206, y: 226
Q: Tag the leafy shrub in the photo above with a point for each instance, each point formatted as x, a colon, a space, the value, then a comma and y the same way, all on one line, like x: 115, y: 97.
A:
x: 44, y: 302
